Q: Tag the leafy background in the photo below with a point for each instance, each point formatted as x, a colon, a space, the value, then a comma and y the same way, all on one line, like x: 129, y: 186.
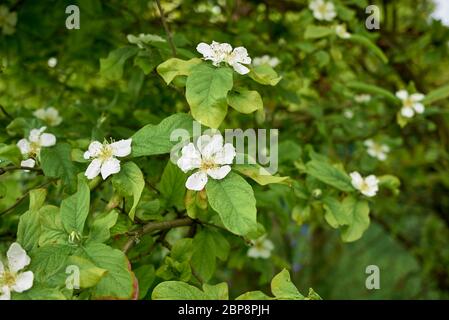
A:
x: 105, y: 87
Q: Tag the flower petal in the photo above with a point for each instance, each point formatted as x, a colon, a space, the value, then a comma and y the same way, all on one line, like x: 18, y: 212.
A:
x: 240, y: 68
x: 371, y: 180
x: 190, y: 158
x: 24, y: 281
x: 93, y: 150
x: 226, y: 155
x: 197, y: 181
x: 204, y: 49
x: 121, y: 148
x: 109, y: 167
x: 24, y: 146
x: 29, y: 163
x: 2, y: 268
x: 419, y: 107
x: 402, y: 94
x: 5, y: 293
x: 407, y: 112
x: 17, y: 257
x: 219, y: 173
x: 209, y: 146
x: 356, y: 180
x: 47, y: 140
x: 93, y: 169
x: 417, y: 96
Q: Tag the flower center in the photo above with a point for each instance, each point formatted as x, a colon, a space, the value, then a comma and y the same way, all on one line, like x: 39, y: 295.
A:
x: 364, y: 187
x: 408, y: 103
x: 8, y: 279
x: 322, y: 8
x: 34, y: 148
x: 105, y: 153
x: 207, y: 164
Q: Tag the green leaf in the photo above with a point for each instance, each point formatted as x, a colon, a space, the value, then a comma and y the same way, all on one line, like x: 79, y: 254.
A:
x: 437, y: 94
x: 155, y: 139
x: 99, y: 230
x: 177, y: 290
x: 264, y: 74
x: 390, y: 182
x: 146, y: 61
x: 375, y: 90
x: 37, y: 198
x: 369, y: 45
x: 233, y: 199
x: 358, y: 212
x: 129, y: 182
x: 207, y: 246
x: 174, y: 67
x: 89, y: 274
x: 112, y: 67
x: 253, y: 295
x: 49, y: 260
x: 74, y: 209
x: 260, y: 174
x: 206, y: 91
x: 216, y: 292
x: 118, y: 282
x: 245, y: 101
x: 52, y: 230
x: 335, y: 214
x: 145, y: 275
x: 329, y: 174
x: 29, y: 229
x: 172, y: 185
x: 56, y: 162
x: 283, y: 288
x: 315, y: 32
x: 10, y: 153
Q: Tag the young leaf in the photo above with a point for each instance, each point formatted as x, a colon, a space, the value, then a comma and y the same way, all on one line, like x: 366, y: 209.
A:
x: 315, y: 32
x: 329, y: 174
x: 264, y: 74
x: 358, y: 212
x: 260, y: 174
x: 283, y: 288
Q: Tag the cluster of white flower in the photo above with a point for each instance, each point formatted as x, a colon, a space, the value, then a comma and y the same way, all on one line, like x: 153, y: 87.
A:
x: 261, y: 248
x: 30, y: 147
x: 210, y: 156
x: 266, y: 59
x: 411, y: 104
x: 367, y: 186
x: 323, y: 10
x: 377, y: 150
x: 8, y: 20
x: 49, y: 115
x: 223, y: 52
x: 103, y: 156
x: 11, y: 280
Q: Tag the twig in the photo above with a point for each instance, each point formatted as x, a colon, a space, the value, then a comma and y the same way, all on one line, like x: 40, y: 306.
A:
x: 6, y: 169
x: 167, y: 31
x: 153, y: 226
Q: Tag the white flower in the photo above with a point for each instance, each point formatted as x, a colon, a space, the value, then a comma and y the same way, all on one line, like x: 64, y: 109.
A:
x: 222, y: 52
x: 104, y: 157
x: 367, y: 186
x: 210, y: 156
x: 377, y: 150
x: 410, y: 103
x: 28, y: 163
x: 8, y: 20
x: 362, y: 98
x: 31, y: 147
x: 323, y: 10
x: 10, y: 277
x: 266, y: 59
x: 341, y: 32
x: 348, y: 114
x: 261, y: 248
x: 52, y: 62
x: 49, y: 115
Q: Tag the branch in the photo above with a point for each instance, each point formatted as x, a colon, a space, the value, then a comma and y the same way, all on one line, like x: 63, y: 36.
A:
x: 153, y: 226
x: 6, y: 169
x: 167, y: 31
